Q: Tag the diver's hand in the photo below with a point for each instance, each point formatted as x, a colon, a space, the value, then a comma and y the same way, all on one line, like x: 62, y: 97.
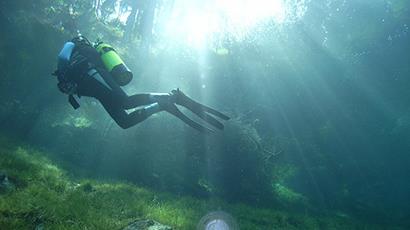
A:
x: 67, y: 87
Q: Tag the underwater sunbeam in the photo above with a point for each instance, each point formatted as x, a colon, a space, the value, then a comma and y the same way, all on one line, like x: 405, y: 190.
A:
x: 199, y: 22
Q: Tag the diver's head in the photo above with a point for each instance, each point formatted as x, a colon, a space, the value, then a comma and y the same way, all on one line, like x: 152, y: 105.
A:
x: 81, y: 39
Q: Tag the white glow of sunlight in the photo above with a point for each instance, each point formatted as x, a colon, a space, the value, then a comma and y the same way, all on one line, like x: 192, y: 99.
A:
x: 246, y: 13
x: 198, y: 21
x: 122, y: 16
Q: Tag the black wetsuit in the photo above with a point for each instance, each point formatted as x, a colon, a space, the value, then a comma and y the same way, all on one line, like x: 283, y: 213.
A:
x: 80, y: 78
x: 113, y: 98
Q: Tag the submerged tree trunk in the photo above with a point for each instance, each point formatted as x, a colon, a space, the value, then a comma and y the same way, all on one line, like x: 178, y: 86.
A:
x: 107, y: 7
x: 147, y: 23
x: 130, y: 25
x: 97, y: 8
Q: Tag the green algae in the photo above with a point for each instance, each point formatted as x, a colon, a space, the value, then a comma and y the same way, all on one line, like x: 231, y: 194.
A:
x: 46, y: 196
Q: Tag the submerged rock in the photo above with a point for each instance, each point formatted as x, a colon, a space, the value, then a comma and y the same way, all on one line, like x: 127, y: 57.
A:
x: 40, y: 227
x: 146, y: 225
x: 5, y: 184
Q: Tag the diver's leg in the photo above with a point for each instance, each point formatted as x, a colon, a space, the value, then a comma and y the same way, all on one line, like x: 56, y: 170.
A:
x: 113, y: 102
x: 125, y: 120
x: 136, y: 100
x: 133, y: 101
x: 167, y: 102
x: 121, y: 117
x: 148, y: 98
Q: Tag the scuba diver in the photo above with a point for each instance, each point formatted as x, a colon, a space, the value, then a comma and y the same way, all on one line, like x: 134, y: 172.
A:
x: 96, y: 70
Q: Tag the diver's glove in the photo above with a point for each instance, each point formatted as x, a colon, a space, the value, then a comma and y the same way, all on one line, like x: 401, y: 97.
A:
x: 67, y: 87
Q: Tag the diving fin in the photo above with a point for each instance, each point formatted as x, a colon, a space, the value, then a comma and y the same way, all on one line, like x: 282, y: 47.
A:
x: 199, y: 109
x: 173, y: 109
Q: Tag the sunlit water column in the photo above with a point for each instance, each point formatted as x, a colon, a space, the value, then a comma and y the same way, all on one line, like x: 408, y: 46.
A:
x: 197, y: 25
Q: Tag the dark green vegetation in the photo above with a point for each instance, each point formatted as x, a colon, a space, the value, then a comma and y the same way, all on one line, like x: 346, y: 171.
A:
x: 44, y: 195
x: 319, y: 135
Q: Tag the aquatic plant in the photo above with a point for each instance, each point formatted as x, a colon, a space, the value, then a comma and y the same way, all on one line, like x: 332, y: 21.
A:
x: 45, y: 196
x: 322, y: 106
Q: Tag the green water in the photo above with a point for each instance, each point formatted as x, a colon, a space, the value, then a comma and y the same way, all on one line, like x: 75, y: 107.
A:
x: 317, y: 92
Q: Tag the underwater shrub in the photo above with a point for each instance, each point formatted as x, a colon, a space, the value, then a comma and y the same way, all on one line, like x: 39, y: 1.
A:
x: 239, y: 170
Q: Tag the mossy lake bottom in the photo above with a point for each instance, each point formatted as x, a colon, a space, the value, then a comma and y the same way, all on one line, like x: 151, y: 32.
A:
x: 42, y: 194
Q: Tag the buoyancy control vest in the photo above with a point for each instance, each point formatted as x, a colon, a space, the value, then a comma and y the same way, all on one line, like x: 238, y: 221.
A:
x: 65, y: 55
x: 66, y: 65
x: 79, y: 57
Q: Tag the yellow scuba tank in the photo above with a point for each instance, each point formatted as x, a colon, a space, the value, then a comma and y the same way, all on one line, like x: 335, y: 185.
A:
x: 114, y: 64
